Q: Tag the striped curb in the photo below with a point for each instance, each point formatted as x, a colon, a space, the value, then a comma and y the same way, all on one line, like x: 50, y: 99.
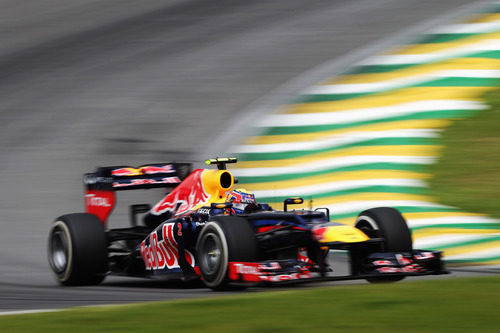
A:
x: 367, y: 138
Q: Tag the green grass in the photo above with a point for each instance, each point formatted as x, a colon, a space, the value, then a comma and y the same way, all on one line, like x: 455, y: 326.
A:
x: 446, y: 305
x: 468, y: 173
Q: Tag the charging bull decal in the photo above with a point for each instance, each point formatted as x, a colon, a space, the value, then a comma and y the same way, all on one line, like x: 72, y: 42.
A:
x: 183, y: 198
x: 200, y: 188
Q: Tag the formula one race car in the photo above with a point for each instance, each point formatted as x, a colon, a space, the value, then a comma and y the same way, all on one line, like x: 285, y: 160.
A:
x: 194, y: 233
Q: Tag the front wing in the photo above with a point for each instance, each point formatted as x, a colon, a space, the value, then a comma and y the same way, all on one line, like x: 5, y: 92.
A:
x: 374, y: 266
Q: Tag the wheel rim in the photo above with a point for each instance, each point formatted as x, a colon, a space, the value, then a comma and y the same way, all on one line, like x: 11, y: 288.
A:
x: 59, y: 250
x: 211, y: 249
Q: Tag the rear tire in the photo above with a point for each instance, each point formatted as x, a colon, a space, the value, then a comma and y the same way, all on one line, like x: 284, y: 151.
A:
x: 77, y: 249
x: 228, y: 238
x: 389, y: 224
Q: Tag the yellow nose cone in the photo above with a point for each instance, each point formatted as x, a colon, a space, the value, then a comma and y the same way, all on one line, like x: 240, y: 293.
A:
x: 343, y: 233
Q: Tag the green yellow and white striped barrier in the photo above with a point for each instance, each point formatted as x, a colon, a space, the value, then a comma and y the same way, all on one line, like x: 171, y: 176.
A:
x: 366, y: 138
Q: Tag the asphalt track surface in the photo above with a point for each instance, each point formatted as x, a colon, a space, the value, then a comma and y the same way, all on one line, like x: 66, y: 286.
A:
x: 91, y: 82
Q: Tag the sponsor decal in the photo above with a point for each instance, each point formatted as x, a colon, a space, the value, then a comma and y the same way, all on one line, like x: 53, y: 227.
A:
x: 407, y: 269
x: 153, y: 169
x: 91, y: 180
x: 286, y: 277
x: 302, y: 256
x: 93, y: 199
x: 136, y: 182
x: 168, y: 205
x: 402, y: 260
x: 247, y: 269
x: 276, y: 227
x: 204, y: 211
x: 382, y: 263
x: 125, y: 172
x: 270, y: 266
x: 424, y: 256
x: 100, y: 203
x: 163, y: 253
x: 185, y: 197
x: 145, y: 170
x: 414, y: 268
x: 401, y: 264
x: 256, y: 272
x: 318, y: 233
x: 388, y: 270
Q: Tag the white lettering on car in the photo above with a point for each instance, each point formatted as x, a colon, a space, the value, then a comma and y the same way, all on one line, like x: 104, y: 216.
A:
x: 159, y: 254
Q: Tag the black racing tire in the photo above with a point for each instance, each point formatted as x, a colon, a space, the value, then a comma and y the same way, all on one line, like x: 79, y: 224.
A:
x: 222, y: 240
x: 389, y: 224
x: 77, y: 249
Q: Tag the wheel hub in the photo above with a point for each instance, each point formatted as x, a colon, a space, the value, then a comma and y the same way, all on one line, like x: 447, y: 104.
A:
x: 59, y: 251
x: 211, y: 259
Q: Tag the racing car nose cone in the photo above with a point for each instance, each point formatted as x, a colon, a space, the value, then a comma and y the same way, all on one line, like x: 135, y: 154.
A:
x: 339, y: 233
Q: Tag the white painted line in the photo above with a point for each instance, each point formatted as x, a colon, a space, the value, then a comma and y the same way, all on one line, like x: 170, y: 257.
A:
x: 336, y: 141
x: 358, y: 206
x: 492, y: 252
x: 448, y: 239
x: 468, y: 28
x: 463, y: 50
x: 338, y: 186
x: 330, y: 163
x: 450, y: 220
x: 21, y: 312
x: 367, y: 114
x: 399, y: 83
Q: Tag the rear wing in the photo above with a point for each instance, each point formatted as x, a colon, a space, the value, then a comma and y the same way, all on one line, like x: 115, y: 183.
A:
x: 101, y: 185
x: 119, y: 178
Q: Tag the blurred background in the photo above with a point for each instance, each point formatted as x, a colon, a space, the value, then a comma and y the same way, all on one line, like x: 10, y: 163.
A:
x: 85, y: 83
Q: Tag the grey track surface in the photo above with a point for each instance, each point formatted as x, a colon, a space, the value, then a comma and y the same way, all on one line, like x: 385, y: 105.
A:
x: 86, y: 83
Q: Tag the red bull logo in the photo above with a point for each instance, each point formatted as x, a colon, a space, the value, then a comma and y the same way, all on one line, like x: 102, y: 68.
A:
x: 121, y: 172
x: 188, y: 195
x: 159, y: 254
x: 153, y: 169
x: 318, y: 233
x: 145, y: 170
x: 137, y: 182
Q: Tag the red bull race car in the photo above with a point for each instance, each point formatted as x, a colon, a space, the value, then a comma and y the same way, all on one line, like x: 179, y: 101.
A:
x: 198, y: 231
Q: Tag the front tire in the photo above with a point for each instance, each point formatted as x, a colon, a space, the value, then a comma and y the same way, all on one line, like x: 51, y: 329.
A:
x: 386, y: 223
x: 389, y: 224
x: 228, y: 238
x: 77, y: 249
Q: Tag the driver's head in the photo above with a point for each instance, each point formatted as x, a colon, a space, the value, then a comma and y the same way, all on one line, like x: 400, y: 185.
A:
x: 241, y: 198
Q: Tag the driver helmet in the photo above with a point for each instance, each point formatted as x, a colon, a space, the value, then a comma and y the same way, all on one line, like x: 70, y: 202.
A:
x: 241, y: 198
